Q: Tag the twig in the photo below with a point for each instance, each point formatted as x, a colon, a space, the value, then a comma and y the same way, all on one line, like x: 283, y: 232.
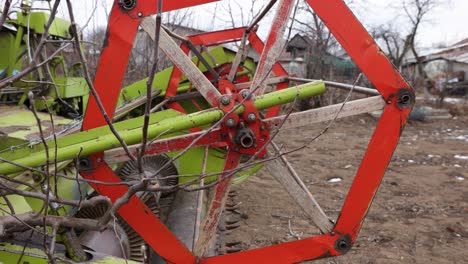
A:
x: 14, y: 217
x: 61, y: 175
x: 294, y: 234
x: 6, y: 189
x: 23, y: 222
x: 119, y: 238
x: 87, y: 77
x: 149, y: 86
x: 50, y: 253
x: 55, y: 146
x: 19, y: 182
x: 6, y: 9
x: 45, y: 206
x: 33, y: 65
x: 77, y: 160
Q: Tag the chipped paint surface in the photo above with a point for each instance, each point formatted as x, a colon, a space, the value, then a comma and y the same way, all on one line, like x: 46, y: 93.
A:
x: 19, y: 122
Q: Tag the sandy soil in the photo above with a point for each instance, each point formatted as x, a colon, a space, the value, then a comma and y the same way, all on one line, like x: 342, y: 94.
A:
x: 419, y: 215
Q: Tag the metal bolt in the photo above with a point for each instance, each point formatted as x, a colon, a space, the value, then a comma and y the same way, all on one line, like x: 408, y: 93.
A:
x: 231, y: 122
x: 225, y: 100
x: 405, y: 98
x: 127, y: 4
x: 343, y: 244
x: 251, y: 117
x: 140, y: 14
x: 245, y: 93
x: 37, y: 177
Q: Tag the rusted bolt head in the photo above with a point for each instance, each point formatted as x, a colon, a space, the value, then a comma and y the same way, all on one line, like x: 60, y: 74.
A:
x: 251, y: 117
x: 37, y: 177
x: 231, y: 122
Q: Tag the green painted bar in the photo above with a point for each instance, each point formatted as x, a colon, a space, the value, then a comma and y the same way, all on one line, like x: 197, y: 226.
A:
x: 92, y: 142
x: 289, y: 95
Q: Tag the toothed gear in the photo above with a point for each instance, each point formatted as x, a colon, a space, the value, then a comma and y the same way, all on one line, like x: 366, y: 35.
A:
x: 156, y: 202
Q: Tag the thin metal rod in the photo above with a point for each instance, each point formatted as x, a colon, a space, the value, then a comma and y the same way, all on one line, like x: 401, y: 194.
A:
x: 203, y: 60
x: 269, y: 81
x: 174, y: 35
x: 261, y: 15
x: 200, y: 200
x: 121, y: 111
x: 158, y: 106
x: 149, y: 85
x: 359, y: 89
x: 208, y: 53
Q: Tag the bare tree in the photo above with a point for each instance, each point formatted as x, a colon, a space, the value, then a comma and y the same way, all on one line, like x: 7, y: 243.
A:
x: 416, y: 11
x: 398, y: 45
x: 238, y: 13
x: 393, y: 43
x: 318, y: 56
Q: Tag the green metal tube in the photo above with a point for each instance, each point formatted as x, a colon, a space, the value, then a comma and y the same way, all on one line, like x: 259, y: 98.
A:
x: 91, y: 142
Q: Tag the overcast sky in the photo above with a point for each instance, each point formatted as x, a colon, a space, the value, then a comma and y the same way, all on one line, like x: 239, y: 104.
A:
x: 447, y: 24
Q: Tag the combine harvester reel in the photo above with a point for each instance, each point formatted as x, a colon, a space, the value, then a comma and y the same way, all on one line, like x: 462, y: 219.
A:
x: 235, y: 119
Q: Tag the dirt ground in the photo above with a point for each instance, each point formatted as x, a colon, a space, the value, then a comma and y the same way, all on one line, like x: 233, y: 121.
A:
x: 420, y: 212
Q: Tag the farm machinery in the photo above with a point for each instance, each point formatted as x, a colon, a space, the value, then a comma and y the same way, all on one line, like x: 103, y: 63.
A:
x: 91, y: 171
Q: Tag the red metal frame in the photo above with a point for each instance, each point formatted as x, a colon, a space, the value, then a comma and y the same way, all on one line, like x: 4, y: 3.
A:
x: 366, y: 54
x: 121, y: 32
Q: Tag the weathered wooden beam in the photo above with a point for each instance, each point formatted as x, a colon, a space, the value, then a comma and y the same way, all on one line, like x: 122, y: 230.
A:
x: 328, y: 113
x: 183, y: 62
x: 285, y: 174
x: 273, y: 46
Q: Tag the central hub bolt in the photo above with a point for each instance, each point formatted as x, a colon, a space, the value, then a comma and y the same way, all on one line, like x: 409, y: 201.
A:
x: 245, y: 138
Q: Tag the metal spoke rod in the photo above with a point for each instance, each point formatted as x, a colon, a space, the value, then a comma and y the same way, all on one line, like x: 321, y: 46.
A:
x: 359, y: 89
